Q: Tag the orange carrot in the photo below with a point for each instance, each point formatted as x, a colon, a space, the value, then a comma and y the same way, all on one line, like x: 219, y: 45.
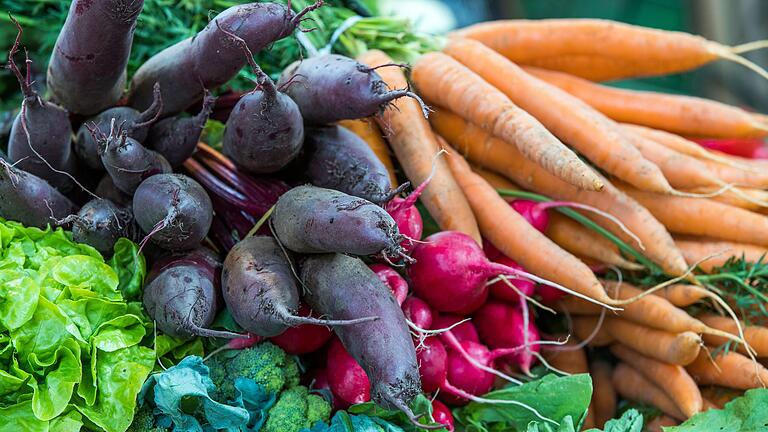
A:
x: 493, y: 179
x: 745, y: 198
x: 589, y: 420
x: 517, y: 239
x: 683, y: 295
x: 416, y: 146
x: 582, y: 241
x: 756, y: 336
x: 632, y: 385
x: 603, y: 395
x: 730, y: 369
x: 720, y: 395
x: 696, y: 249
x: 675, y: 348
x: 591, y: 133
x: 447, y: 83
x: 688, y: 147
x: 371, y: 134
x: 703, y: 217
x: 673, y: 379
x: 738, y: 176
x: 620, y: 50
x: 589, y: 328
x: 679, y: 114
x: 489, y: 152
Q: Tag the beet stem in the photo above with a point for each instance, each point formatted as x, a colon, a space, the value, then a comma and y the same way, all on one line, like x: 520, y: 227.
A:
x: 147, y: 117
x: 296, y: 20
x: 24, y: 82
x: 299, y: 320
x: 263, y: 81
x: 200, y: 331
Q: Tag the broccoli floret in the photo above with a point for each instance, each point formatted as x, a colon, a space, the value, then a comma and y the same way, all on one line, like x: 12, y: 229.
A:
x: 265, y: 363
x: 144, y: 421
x: 295, y: 410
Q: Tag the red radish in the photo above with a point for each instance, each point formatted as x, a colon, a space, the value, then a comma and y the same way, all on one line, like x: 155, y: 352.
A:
x: 392, y: 280
x: 418, y: 312
x: 470, y: 308
x: 501, y: 325
x: 245, y: 342
x: 491, y: 251
x: 320, y: 382
x: 500, y: 290
x: 535, y: 212
x: 433, y: 364
x: 407, y: 216
x: 442, y: 414
x: 346, y: 378
x: 464, y: 375
x: 462, y: 332
x: 744, y: 147
x: 451, y: 271
x: 548, y: 294
x: 302, y: 339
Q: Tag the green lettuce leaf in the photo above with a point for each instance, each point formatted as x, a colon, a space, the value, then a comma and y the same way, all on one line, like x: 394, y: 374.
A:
x: 73, y: 350
x: 554, y: 398
x: 630, y: 421
x: 748, y: 413
x: 420, y: 406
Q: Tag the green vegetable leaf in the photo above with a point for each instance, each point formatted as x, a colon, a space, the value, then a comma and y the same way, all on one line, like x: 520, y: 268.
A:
x: 630, y: 421
x: 19, y: 417
x: 131, y: 268
x: 344, y: 422
x: 51, y: 396
x: 19, y: 294
x: 420, y: 406
x: 553, y: 398
x: 566, y: 425
x: 748, y: 413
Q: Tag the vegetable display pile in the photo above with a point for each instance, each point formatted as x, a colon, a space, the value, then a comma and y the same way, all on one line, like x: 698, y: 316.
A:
x: 296, y: 216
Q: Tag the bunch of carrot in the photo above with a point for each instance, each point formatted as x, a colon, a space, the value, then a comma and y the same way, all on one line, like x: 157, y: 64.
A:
x: 519, y: 101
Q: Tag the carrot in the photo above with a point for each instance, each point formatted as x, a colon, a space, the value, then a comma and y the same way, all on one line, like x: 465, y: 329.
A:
x: 566, y: 358
x: 675, y: 348
x: 719, y: 395
x: 681, y: 170
x: 589, y: 328
x: 415, y: 146
x: 620, y: 50
x: 745, y: 198
x: 730, y: 369
x: 756, y: 336
x: 493, y: 179
x: 696, y: 249
x: 683, y: 295
x: 603, y: 394
x: 516, y: 238
x: 650, y: 311
x: 582, y: 241
x: 371, y: 134
x: 739, y: 176
x: 684, y: 115
x: 449, y: 84
x: 688, y: 147
x: 591, y: 133
x: 703, y: 217
x: 492, y: 153
x: 674, y: 379
x: 585, y: 66
x: 589, y: 420
x: 632, y: 385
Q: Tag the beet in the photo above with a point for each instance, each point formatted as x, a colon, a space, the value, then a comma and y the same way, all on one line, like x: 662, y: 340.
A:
x: 176, y: 138
x: 100, y: 223
x: 174, y: 210
x: 29, y: 199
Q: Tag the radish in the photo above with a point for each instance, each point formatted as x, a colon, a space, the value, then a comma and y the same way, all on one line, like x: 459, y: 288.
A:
x: 417, y: 311
x: 346, y: 378
x: 433, y: 361
x: 302, y: 339
x: 392, y: 280
x: 500, y: 290
x: 549, y: 295
x: 462, y: 332
x: 407, y: 216
x: 451, y: 271
x: 464, y: 376
x: 470, y: 308
x: 442, y: 414
x: 501, y: 325
x: 491, y: 251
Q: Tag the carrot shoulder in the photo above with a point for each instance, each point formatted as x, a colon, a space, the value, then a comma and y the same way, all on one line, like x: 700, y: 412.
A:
x: 675, y: 113
x: 632, y: 385
x: 517, y: 239
x: 728, y: 369
x: 588, y: 131
x: 416, y: 147
x: 492, y: 153
x: 447, y: 83
x: 675, y: 348
x: 756, y: 336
